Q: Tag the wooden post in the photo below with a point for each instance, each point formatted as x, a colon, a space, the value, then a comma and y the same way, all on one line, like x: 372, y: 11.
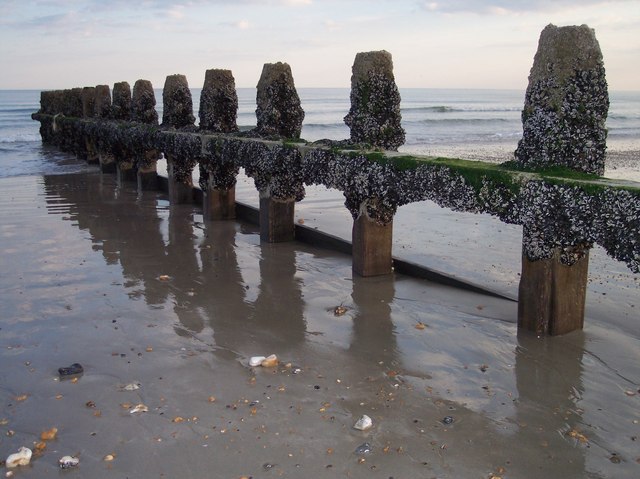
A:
x: 147, y: 173
x: 372, y: 243
x: 107, y: 163
x: 276, y: 219
x: 126, y: 172
x: 552, y: 295
x: 219, y: 204
x: 566, y: 105
x: 179, y: 191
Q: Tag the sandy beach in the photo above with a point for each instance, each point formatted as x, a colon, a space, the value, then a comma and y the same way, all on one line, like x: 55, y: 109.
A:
x: 140, y: 292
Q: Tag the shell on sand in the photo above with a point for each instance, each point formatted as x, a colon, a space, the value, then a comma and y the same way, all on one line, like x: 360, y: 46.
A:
x: 20, y: 458
x: 66, y: 462
x: 363, y: 423
x: 256, y: 361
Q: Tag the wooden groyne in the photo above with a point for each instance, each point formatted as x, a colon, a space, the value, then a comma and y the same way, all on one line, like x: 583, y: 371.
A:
x: 553, y: 188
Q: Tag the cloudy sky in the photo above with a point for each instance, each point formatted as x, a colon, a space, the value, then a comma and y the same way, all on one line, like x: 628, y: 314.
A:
x: 457, y: 43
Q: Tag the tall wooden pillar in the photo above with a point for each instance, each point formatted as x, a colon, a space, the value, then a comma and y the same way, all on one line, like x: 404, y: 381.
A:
x: 372, y: 243
x: 552, y: 295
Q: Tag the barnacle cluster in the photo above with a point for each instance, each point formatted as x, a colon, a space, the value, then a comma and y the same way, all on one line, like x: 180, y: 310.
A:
x: 177, y: 103
x: 143, y: 103
x: 566, y: 103
x: 278, y: 111
x: 218, y: 102
x: 121, y: 105
x: 374, y: 116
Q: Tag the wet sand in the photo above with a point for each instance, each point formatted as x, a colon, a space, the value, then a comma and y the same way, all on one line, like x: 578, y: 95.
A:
x: 139, y: 291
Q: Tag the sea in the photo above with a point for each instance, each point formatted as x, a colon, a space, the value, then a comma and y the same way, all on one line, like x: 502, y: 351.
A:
x: 466, y: 123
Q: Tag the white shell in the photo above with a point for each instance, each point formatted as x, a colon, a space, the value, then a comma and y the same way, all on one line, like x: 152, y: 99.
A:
x: 68, y: 461
x: 363, y: 423
x: 20, y: 458
x: 256, y: 361
x: 139, y: 408
x: 131, y: 387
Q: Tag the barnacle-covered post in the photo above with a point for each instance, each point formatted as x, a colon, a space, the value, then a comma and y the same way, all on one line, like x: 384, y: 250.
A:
x: 279, y: 115
x: 88, y: 112
x: 143, y: 110
x: 121, y: 111
x: 178, y: 115
x: 102, y: 111
x: 72, y: 108
x: 218, y: 114
x: 564, y: 115
x: 374, y: 119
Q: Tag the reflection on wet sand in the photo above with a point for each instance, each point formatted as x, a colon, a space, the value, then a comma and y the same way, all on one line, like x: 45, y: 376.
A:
x: 549, y: 382
x: 373, y: 329
x: 235, y: 295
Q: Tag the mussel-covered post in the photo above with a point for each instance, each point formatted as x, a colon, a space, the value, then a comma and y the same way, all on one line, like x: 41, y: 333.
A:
x: 143, y: 110
x: 374, y: 119
x: 564, y: 115
x: 218, y: 113
x: 178, y: 115
x: 121, y: 111
x: 102, y: 111
x: 279, y: 115
x: 88, y: 112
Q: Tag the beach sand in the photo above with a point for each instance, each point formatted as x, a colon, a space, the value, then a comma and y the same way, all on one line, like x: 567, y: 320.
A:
x: 138, y: 291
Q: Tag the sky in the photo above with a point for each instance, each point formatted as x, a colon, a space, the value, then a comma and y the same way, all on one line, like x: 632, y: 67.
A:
x: 56, y: 44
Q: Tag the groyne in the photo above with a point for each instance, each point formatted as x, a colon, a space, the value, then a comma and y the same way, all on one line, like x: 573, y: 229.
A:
x: 552, y: 188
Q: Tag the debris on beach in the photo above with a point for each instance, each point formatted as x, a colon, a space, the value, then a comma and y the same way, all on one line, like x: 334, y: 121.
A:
x: 447, y: 420
x: 270, y: 361
x: 20, y: 458
x: 256, y: 360
x: 364, y: 448
x: 339, y: 310
x: 139, y: 408
x: 72, y: 370
x: 264, y: 361
x: 66, y: 462
x: 49, y: 434
x: 109, y: 457
x: 363, y: 423
x: 420, y: 326
x: 130, y: 387
x: 164, y: 277
x: 578, y: 436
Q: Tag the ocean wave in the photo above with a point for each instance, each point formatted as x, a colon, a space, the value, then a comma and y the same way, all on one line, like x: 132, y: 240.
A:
x: 465, y: 121
x: 452, y: 109
x: 20, y: 138
x: 18, y: 109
